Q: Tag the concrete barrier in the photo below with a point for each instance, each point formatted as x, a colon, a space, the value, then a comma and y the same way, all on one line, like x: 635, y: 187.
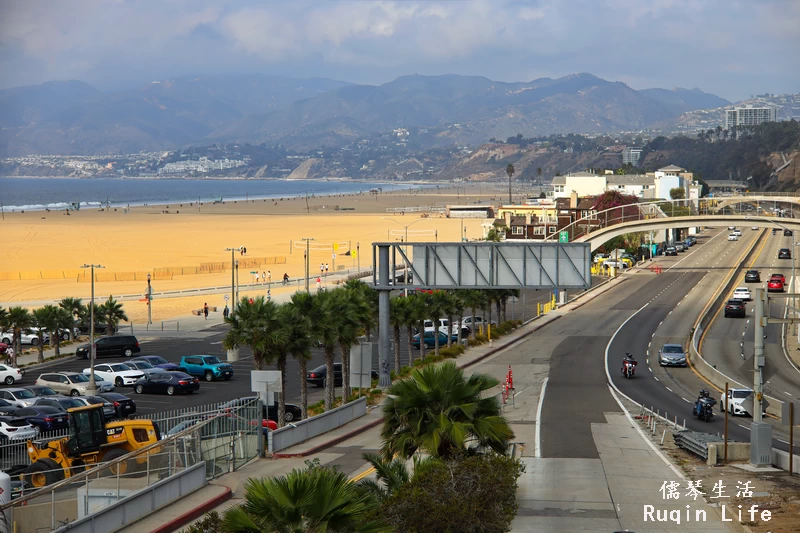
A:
x: 297, y: 432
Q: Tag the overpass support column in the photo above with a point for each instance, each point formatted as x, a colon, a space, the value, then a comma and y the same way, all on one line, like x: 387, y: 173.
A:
x: 384, y: 325
x: 760, y: 431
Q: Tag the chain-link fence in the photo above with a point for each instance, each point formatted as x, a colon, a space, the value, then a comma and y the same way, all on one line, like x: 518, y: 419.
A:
x: 224, y: 437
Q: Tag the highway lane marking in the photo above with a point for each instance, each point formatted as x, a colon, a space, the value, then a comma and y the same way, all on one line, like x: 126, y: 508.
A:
x: 669, y: 389
x: 655, y: 378
x: 685, y: 400
x: 537, y: 449
x: 786, y: 393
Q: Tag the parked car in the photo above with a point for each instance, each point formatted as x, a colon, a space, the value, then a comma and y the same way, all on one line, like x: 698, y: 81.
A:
x: 208, y: 367
x: 430, y: 340
x: 15, y: 428
x: 317, y: 375
x: 158, y: 362
x: 736, y: 398
x: 41, y: 391
x: 124, y: 345
x: 680, y: 247
x: 3, y: 348
x: 443, y: 323
x: 742, y: 293
x: 293, y: 412
x: 17, y: 397
x: 775, y: 285
x: 85, y: 329
x: 103, y: 385
x: 108, y: 408
x: 672, y: 355
x: 69, y: 383
x: 784, y: 253
x: 117, y: 373
x: 168, y: 383
x: 62, y: 403
x: 6, y: 409
x: 31, y: 338
x: 735, y: 308
x: 478, y: 322
x: 752, y: 276
x: 44, y: 417
x: 10, y: 375
x: 671, y: 250
x: 123, y: 405
x: 143, y: 366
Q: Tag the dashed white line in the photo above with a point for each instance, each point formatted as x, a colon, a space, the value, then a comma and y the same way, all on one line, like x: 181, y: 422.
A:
x: 655, y: 378
x: 668, y: 389
x: 685, y: 400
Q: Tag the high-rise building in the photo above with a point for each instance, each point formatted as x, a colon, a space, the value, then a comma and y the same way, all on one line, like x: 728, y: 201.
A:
x: 749, y: 116
x: 631, y: 155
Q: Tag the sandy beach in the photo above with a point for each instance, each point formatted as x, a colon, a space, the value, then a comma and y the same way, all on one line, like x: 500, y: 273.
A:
x: 183, y: 246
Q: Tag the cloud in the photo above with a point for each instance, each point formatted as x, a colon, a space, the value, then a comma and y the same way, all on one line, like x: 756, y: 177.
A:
x: 652, y: 43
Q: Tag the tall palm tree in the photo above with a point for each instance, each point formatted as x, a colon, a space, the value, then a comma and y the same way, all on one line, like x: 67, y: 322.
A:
x: 60, y: 319
x: 19, y: 319
x: 258, y: 326
x: 351, y: 308
x: 40, y: 321
x: 281, y: 351
x: 111, y: 314
x: 3, y: 319
x: 326, y: 331
x: 73, y: 306
x: 452, y: 309
x: 300, y: 315
x: 414, y: 310
x: 438, y: 412
x: 458, y: 310
x: 422, y: 313
x: 510, y: 172
x: 398, y: 309
x: 437, y: 306
x: 474, y: 299
x: 317, y: 500
x: 370, y: 297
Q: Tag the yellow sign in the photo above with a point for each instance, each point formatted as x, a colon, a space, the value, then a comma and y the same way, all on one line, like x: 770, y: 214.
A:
x: 335, y: 247
x: 353, y: 253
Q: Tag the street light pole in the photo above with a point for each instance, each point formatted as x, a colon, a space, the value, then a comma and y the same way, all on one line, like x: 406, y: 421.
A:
x: 308, y: 261
x: 237, y: 280
x: 149, y: 301
x: 92, y: 384
x: 233, y: 273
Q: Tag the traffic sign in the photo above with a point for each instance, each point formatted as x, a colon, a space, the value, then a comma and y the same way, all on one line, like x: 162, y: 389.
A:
x: 563, y: 236
x: 353, y: 253
x: 226, y: 297
x: 333, y: 256
x: 335, y: 247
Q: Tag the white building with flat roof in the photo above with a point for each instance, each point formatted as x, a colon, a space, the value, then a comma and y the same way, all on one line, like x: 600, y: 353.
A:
x: 671, y: 177
x: 749, y: 116
x: 631, y: 155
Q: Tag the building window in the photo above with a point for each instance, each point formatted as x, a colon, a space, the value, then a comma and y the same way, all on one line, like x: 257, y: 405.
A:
x: 558, y: 188
x: 551, y: 229
x: 538, y: 230
x: 589, y: 213
x: 517, y: 230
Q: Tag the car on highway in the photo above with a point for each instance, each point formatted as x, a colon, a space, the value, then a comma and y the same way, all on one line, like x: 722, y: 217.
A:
x: 787, y: 233
x: 672, y: 355
x: 167, y: 383
x: 124, y: 345
x: 754, y: 228
x: 733, y: 237
x: 680, y: 247
x: 737, y: 232
x: 736, y: 399
x: 784, y: 253
x: 10, y: 375
x: 143, y: 366
x: 123, y: 406
x: 752, y: 276
x: 742, y: 293
x: 317, y: 375
x: 18, y: 397
x: 44, y: 417
x: 780, y: 277
x: 293, y: 412
x: 69, y: 383
x: 117, y: 373
x: 671, y: 250
x: 15, y: 428
x: 158, y: 362
x: 731, y: 228
x: 209, y: 367
x: 735, y: 308
x: 775, y: 285
x: 6, y: 409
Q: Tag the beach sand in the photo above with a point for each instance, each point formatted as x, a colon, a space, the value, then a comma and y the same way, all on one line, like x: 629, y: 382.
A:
x: 156, y: 237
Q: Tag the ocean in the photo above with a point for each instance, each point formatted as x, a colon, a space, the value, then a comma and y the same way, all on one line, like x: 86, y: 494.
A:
x: 29, y: 194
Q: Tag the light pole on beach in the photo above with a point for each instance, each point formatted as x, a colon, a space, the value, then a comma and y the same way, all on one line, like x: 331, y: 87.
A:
x: 92, y: 385
x: 307, y: 260
x: 406, y: 226
x: 149, y: 301
x: 233, y: 273
x: 237, y: 280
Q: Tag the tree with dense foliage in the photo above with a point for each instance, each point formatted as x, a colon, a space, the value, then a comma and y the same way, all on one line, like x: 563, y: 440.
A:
x: 351, y: 309
x: 40, y: 322
x: 111, y: 314
x: 315, y: 500
x: 257, y: 325
x: 369, y: 315
x: 677, y: 193
x: 326, y: 331
x: 300, y: 309
x: 510, y: 172
x: 19, y: 320
x: 390, y: 475
x: 73, y: 306
x: 60, y: 319
x: 436, y: 410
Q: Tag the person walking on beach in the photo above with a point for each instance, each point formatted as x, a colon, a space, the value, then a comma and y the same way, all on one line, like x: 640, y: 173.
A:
x: 257, y: 276
x: 285, y: 278
x: 269, y: 276
x: 326, y: 270
x: 205, y: 310
x: 225, y: 311
x: 263, y: 277
x: 321, y: 269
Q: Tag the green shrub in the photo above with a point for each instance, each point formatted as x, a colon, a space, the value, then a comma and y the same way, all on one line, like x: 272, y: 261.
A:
x: 418, y: 362
x: 404, y: 370
x: 211, y: 523
x: 435, y: 358
x: 392, y: 375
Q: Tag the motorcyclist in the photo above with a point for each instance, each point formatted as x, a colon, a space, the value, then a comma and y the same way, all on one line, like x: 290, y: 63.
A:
x: 628, y: 360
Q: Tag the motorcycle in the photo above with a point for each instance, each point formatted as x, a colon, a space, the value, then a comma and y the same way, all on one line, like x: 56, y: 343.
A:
x: 628, y: 369
x: 704, y: 407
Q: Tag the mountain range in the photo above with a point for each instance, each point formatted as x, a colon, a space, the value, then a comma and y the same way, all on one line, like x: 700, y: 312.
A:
x: 72, y: 117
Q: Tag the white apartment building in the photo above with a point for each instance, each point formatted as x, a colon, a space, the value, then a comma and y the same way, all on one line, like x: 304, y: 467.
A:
x: 749, y: 116
x: 631, y: 155
x: 671, y: 177
x: 650, y: 186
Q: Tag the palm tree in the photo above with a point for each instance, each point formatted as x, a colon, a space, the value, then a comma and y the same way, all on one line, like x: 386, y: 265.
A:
x: 299, y: 311
x: 19, y: 319
x: 398, y: 310
x: 391, y: 475
x: 453, y: 308
x: 73, y: 306
x: 257, y: 325
x: 351, y: 308
x: 3, y: 319
x: 438, y: 412
x: 422, y: 314
x: 111, y: 314
x: 281, y: 351
x: 474, y: 299
x: 317, y: 500
x: 326, y: 330
x: 510, y: 172
x: 437, y: 306
x: 370, y: 297
x: 414, y: 309
x: 539, y: 175
x: 457, y: 309
x: 41, y: 323
x: 60, y: 319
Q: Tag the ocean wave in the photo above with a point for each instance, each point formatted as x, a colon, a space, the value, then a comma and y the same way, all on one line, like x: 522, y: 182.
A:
x: 58, y: 206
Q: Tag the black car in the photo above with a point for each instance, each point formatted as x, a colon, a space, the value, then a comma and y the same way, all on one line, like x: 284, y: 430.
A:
x: 62, y: 404
x: 41, y: 391
x: 44, y: 417
x: 167, y: 382
x: 125, y: 345
x: 123, y: 405
x: 317, y: 376
x: 671, y: 250
x: 787, y: 233
x: 6, y: 409
x: 752, y: 276
x: 784, y: 253
x: 735, y: 308
x: 293, y: 412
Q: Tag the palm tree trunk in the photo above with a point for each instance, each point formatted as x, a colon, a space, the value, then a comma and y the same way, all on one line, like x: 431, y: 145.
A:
x: 57, y: 346
x: 282, y: 396
x: 505, y: 308
x: 436, y: 335
x: 472, y: 331
x: 460, y: 327
x: 422, y: 339
x: 346, y: 390
x: 449, y: 331
x: 303, y: 387
x: 498, y: 306
x: 330, y: 392
x: 40, y: 347
x: 410, y: 333
x: 397, y: 350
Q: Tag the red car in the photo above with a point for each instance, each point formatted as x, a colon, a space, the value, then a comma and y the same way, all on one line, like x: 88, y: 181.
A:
x: 780, y: 277
x: 775, y: 285
x: 3, y: 348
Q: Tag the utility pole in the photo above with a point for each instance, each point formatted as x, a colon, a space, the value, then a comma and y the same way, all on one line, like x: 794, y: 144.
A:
x: 237, y: 280
x: 92, y: 384
x: 760, y: 431
x: 149, y: 301
x: 308, y: 260
x: 233, y: 273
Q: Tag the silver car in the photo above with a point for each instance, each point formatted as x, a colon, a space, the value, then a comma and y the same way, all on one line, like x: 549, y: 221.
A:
x: 17, y: 397
x: 69, y: 383
x: 672, y: 355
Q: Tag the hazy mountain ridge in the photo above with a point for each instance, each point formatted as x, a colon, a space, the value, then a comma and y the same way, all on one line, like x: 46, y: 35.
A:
x: 304, y: 114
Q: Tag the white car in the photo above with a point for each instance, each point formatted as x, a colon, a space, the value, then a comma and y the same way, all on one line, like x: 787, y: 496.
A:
x: 12, y: 428
x: 144, y: 367
x: 736, y: 232
x: 117, y: 373
x: 24, y: 338
x: 19, y: 398
x: 742, y: 293
x: 736, y: 398
x: 731, y: 228
x: 10, y: 375
x: 733, y: 237
x: 754, y: 228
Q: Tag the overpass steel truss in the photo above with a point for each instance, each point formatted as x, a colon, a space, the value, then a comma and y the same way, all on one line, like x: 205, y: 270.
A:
x: 473, y: 265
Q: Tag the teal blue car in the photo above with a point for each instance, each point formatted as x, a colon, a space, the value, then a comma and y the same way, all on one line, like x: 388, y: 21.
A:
x: 207, y: 367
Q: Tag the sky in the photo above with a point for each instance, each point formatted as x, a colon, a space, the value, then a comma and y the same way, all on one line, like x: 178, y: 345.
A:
x: 732, y: 48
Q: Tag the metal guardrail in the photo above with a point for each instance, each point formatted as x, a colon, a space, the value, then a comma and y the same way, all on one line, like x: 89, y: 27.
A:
x: 695, y: 441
